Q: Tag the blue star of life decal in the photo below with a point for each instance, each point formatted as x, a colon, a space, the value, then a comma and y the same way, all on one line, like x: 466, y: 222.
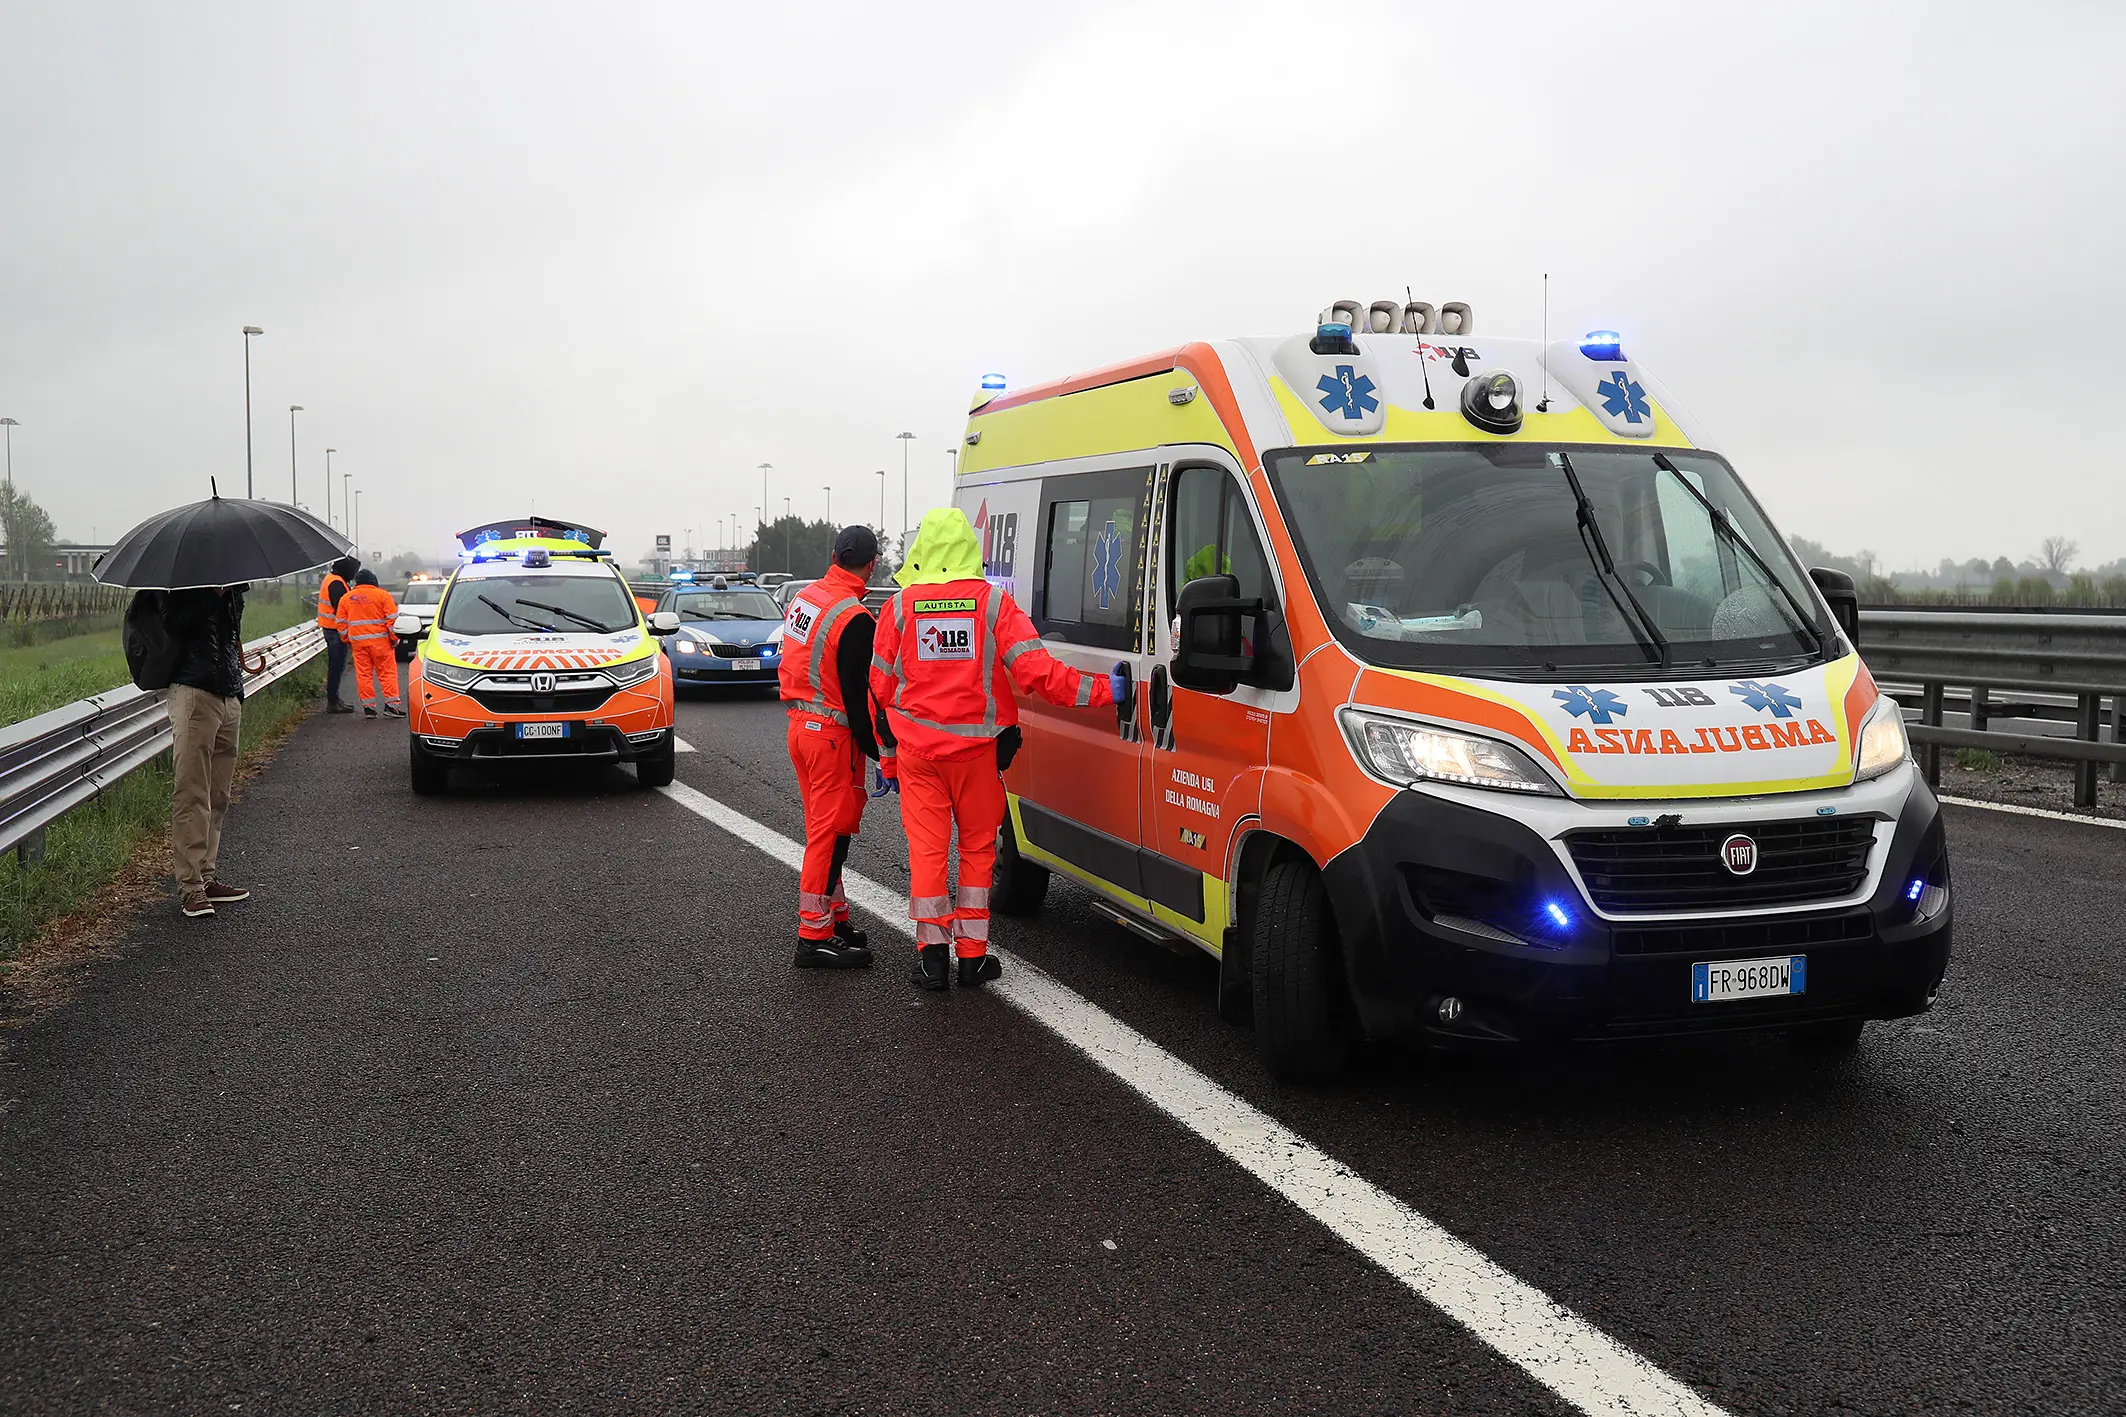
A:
x: 1599, y: 705
x: 1347, y: 392
x: 1107, y: 564
x: 1766, y: 696
x: 1624, y: 397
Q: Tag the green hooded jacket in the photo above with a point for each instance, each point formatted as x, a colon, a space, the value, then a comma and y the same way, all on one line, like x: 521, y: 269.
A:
x: 945, y: 549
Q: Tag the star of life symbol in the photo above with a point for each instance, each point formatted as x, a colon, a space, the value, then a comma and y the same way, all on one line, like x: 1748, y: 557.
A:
x: 1599, y: 705
x: 1624, y: 398
x: 1347, y: 392
x: 1766, y: 696
x: 1107, y: 564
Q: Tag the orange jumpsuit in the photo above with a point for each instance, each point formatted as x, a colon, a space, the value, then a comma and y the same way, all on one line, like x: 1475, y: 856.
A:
x: 830, y: 735
x: 367, y: 611
x: 946, y: 659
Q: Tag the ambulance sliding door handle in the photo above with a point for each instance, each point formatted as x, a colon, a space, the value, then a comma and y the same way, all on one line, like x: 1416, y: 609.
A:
x: 1126, y: 705
x: 1162, y: 708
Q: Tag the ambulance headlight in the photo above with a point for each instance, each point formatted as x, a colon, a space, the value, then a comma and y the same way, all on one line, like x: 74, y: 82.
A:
x: 1883, y: 744
x: 633, y: 671
x: 450, y: 676
x: 1401, y: 752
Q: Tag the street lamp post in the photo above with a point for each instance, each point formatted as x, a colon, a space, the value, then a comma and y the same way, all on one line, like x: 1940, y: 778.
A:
x: 249, y: 330
x: 347, y: 507
x: 830, y: 504
x: 882, y: 501
x: 358, y: 522
x: 328, y: 484
x: 764, y: 503
x: 14, y: 553
x: 293, y: 409
x: 786, y: 534
x: 906, y: 439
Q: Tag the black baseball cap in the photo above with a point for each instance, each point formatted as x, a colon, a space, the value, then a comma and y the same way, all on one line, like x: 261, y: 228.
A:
x: 855, y: 548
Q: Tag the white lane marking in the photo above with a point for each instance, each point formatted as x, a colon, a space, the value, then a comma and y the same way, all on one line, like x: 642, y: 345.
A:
x: 1542, y: 1337
x: 680, y: 745
x: 2033, y: 812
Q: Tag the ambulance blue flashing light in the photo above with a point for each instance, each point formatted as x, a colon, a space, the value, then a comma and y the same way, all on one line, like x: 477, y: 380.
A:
x: 1333, y: 337
x: 1606, y: 346
x: 993, y: 383
x: 1914, y: 891
x: 1559, y: 915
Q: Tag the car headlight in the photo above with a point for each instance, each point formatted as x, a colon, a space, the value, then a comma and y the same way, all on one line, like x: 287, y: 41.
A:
x: 450, y: 676
x: 684, y: 646
x: 1399, y: 751
x: 1883, y: 744
x: 632, y: 671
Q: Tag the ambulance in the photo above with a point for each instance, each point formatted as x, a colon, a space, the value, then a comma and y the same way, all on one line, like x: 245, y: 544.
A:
x: 538, y: 656
x: 1474, y: 700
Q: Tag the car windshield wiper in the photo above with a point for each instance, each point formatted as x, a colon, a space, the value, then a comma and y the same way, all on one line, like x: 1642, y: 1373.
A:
x: 1591, y: 538
x: 1734, y: 538
x: 514, y: 618
x: 599, y: 625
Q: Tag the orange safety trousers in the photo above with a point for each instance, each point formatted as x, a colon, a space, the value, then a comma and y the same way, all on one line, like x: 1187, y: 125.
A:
x: 935, y: 793
x: 830, y: 779
x: 374, y: 661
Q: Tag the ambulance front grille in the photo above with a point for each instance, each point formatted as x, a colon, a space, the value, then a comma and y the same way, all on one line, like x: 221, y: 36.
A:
x: 1655, y: 870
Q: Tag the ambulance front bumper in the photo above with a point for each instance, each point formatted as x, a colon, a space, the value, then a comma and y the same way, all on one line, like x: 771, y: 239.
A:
x: 1463, y: 921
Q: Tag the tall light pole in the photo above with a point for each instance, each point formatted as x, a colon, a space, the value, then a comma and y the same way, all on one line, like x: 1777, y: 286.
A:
x: 328, y: 484
x: 882, y: 501
x: 764, y: 503
x: 249, y: 330
x: 14, y: 553
x: 293, y: 409
x: 830, y: 504
x: 347, y: 508
x: 358, y: 522
x: 906, y: 439
x: 690, y: 542
x: 786, y: 534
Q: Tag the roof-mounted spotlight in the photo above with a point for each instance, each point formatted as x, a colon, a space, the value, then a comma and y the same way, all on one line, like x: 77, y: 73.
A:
x: 1493, y: 402
x: 993, y: 383
x: 1333, y: 338
x: 1606, y: 346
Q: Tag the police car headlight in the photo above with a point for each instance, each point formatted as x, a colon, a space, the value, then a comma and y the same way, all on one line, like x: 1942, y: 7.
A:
x: 1883, y: 744
x: 685, y: 647
x: 450, y: 676
x: 1399, y: 751
x: 633, y: 671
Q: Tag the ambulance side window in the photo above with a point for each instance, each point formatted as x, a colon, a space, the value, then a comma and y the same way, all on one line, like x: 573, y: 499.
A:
x: 1211, y: 533
x: 1091, y: 558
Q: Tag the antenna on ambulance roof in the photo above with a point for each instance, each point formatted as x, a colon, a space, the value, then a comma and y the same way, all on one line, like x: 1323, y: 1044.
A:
x: 1543, y: 404
x: 1412, y: 298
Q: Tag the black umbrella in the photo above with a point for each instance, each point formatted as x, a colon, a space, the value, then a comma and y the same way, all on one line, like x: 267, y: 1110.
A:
x: 221, y: 541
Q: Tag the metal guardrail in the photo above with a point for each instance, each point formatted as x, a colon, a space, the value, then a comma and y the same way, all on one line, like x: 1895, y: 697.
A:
x: 51, y: 764
x: 2079, y: 659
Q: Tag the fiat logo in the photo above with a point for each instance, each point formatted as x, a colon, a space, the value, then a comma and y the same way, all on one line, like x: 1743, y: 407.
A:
x: 1739, y: 854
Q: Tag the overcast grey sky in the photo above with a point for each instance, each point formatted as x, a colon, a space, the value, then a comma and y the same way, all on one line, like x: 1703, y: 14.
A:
x: 612, y: 257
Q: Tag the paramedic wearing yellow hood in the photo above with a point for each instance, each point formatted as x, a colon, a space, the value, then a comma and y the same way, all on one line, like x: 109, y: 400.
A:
x: 949, y: 651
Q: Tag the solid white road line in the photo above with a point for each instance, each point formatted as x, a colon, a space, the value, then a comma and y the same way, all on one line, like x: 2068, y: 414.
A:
x: 2050, y: 816
x: 1549, y: 1342
x: 680, y: 745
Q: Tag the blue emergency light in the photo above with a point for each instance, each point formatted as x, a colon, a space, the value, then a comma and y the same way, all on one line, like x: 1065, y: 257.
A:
x: 1333, y: 337
x: 1914, y: 891
x: 994, y: 383
x: 1606, y: 346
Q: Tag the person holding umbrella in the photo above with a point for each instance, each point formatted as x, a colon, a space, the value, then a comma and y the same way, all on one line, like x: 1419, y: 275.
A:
x: 184, y: 633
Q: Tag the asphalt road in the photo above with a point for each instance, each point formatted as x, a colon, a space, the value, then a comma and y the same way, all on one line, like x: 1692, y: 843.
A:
x: 510, y: 1101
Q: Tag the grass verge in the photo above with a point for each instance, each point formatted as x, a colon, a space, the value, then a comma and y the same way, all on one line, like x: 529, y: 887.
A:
x: 89, y: 848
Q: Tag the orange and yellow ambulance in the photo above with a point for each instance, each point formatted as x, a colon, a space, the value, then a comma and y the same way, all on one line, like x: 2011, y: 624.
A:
x: 1475, y: 697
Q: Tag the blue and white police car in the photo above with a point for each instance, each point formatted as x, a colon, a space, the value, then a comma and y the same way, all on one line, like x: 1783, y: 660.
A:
x: 730, y: 632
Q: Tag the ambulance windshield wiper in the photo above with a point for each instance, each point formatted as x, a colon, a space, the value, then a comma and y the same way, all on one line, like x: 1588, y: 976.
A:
x: 1734, y: 539
x: 599, y: 625
x: 528, y: 624
x: 1591, y: 538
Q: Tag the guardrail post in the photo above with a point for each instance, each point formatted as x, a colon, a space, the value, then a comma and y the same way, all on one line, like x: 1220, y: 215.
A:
x: 2118, y: 734
x: 1930, y: 714
x: 2085, y: 773
x: 1980, y: 703
x: 30, y: 850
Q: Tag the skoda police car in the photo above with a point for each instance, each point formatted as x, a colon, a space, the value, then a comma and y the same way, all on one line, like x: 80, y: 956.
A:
x: 730, y: 632
x: 538, y: 654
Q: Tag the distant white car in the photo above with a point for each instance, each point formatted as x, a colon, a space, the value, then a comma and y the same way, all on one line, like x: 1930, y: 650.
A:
x: 420, y: 599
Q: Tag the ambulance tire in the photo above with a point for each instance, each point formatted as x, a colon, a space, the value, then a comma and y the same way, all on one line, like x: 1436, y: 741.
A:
x: 431, y: 776
x: 657, y: 770
x: 1017, y: 887
x: 1299, y: 1003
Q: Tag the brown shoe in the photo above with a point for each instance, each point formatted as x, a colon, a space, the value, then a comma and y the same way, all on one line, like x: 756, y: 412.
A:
x: 221, y: 892
x: 195, y: 903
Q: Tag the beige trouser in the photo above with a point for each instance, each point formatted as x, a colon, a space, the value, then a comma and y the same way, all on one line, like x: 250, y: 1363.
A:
x: 204, y: 726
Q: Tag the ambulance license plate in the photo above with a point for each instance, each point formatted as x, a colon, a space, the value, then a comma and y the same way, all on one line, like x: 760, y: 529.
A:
x: 1748, y: 978
x: 542, y: 730
x: 741, y: 664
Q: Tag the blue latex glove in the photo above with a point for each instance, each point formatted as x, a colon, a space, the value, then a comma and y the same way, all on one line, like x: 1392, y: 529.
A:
x: 882, y: 784
x: 1119, y: 682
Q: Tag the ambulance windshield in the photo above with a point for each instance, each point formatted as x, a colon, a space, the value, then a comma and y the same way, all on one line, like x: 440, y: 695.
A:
x: 501, y: 605
x: 1475, y: 556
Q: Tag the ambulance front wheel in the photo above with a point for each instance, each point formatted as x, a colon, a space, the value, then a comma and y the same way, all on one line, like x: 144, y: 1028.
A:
x: 1299, y: 993
x: 656, y: 770
x: 430, y: 775
x: 1018, y: 886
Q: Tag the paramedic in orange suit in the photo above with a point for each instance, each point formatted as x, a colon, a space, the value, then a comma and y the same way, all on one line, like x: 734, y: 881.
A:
x: 366, y: 613
x: 950, y: 650
x: 826, y: 673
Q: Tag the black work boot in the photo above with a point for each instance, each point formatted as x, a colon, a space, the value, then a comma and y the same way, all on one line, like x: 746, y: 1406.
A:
x: 852, y: 939
x: 979, y: 969
x: 933, y: 967
x: 829, y: 953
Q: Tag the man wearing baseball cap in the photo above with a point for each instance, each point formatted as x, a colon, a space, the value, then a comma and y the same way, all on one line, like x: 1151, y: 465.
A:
x: 826, y: 675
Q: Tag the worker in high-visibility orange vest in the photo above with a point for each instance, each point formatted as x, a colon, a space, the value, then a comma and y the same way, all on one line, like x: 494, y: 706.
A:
x: 367, y: 612
x: 826, y: 688
x: 950, y: 649
x: 339, y: 578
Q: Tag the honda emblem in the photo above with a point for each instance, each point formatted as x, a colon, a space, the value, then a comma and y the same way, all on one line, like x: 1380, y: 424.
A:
x: 1739, y: 854
x: 544, y: 684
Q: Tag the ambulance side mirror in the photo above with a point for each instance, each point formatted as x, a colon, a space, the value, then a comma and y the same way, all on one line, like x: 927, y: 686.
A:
x: 407, y: 626
x: 664, y: 622
x: 1213, y: 652
x: 1838, y: 593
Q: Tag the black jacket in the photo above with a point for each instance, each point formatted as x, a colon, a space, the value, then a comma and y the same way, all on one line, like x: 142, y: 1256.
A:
x: 209, y: 630
x: 852, y: 672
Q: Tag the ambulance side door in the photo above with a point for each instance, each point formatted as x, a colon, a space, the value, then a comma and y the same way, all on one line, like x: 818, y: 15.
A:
x: 1076, y: 779
x: 1204, y: 754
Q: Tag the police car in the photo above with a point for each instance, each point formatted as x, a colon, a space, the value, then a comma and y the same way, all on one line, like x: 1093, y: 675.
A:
x: 730, y: 632
x: 538, y: 654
